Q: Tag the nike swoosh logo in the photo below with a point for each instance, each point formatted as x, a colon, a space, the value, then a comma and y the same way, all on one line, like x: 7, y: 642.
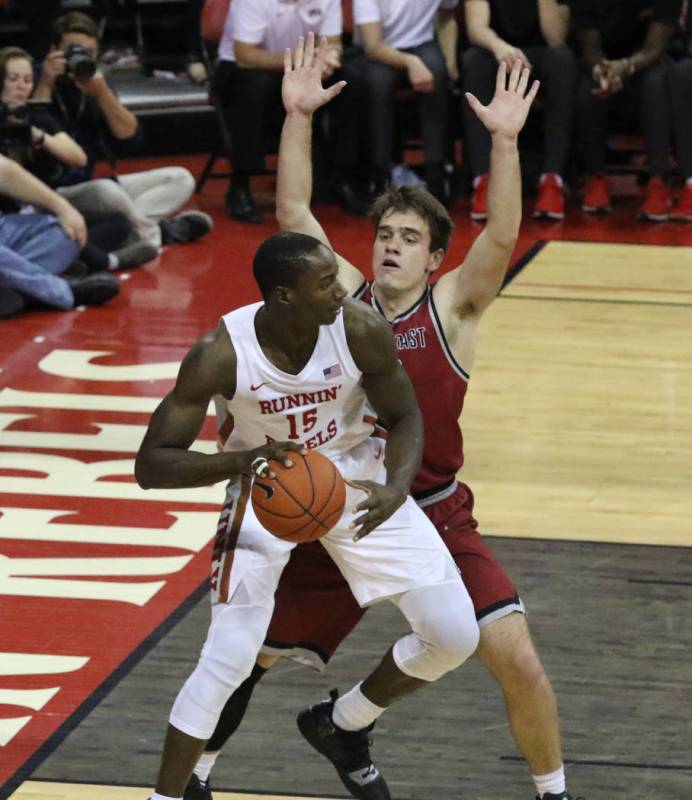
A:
x: 259, y: 386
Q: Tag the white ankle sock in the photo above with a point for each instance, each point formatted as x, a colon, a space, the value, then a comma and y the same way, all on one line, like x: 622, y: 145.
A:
x: 551, y: 782
x: 354, y: 711
x: 113, y: 262
x: 205, y: 764
x: 157, y: 796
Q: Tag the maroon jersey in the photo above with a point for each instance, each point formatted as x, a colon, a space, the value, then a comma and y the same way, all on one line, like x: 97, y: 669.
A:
x: 440, y: 384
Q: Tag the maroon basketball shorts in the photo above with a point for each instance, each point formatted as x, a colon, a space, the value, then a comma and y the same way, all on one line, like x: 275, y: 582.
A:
x: 315, y: 610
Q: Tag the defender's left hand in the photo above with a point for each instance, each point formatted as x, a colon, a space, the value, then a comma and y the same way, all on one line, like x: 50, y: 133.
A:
x: 381, y: 502
x: 507, y: 112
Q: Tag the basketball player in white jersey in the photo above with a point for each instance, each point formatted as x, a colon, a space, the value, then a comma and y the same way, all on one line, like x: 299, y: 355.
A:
x: 306, y: 367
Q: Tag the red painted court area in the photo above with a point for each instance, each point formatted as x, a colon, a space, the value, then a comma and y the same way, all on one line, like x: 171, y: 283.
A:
x: 91, y: 566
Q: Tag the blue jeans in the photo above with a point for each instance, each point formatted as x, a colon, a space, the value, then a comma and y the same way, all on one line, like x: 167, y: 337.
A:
x: 34, y: 251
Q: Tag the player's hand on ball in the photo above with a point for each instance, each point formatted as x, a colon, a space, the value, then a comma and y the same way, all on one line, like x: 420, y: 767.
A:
x: 380, y: 503
x: 259, y: 458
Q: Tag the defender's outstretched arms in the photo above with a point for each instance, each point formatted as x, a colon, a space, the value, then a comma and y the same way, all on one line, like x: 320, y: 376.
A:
x: 303, y: 94
x: 468, y: 290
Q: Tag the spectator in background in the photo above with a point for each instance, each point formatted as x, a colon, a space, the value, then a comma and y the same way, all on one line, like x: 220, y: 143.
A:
x: 623, y: 50
x: 34, y: 139
x: 91, y: 113
x: 196, y: 67
x: 399, y: 39
x: 680, y: 88
x: 534, y: 31
x: 37, y: 248
x: 248, y: 87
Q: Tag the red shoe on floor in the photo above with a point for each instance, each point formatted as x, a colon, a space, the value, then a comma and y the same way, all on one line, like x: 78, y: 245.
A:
x: 658, y: 200
x: 683, y: 208
x: 596, y: 195
x: 551, y: 200
x: 479, y: 200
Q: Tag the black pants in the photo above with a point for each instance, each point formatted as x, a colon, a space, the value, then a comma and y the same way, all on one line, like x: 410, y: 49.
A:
x: 382, y: 80
x: 556, y: 68
x: 250, y: 100
x: 106, y: 231
x: 648, y: 92
x: 680, y: 94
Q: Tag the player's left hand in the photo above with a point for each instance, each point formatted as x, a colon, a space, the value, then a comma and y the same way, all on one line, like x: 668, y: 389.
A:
x: 507, y: 112
x: 380, y: 503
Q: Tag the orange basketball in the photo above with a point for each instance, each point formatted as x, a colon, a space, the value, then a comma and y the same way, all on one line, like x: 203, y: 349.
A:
x: 304, y: 501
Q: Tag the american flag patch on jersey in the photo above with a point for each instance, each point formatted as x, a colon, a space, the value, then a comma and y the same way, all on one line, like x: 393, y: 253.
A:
x: 332, y: 372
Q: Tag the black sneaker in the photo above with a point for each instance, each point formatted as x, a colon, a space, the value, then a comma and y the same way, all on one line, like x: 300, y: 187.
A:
x: 196, y: 790
x: 562, y: 796
x: 94, y: 289
x: 349, y: 751
x: 188, y: 226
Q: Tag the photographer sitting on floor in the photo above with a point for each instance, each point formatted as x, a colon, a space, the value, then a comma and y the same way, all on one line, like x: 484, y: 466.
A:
x: 31, y: 136
x: 91, y: 113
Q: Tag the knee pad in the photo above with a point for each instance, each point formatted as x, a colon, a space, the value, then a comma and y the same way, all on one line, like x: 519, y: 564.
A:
x: 227, y: 659
x: 445, y: 632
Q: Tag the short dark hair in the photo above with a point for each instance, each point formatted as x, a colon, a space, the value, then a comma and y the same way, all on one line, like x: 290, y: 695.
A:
x: 7, y: 54
x: 74, y: 22
x: 429, y: 208
x: 281, y: 259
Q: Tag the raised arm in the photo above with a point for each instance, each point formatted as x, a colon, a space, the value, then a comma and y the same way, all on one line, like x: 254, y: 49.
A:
x: 391, y: 395
x: 469, y: 289
x: 164, y: 460
x: 303, y: 94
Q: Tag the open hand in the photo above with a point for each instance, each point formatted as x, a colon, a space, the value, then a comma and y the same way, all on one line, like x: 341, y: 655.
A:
x: 380, y: 503
x: 507, y: 112
x: 302, y: 88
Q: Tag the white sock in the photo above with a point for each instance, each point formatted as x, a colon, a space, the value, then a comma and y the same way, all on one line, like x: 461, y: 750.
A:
x: 354, y: 711
x: 205, y: 764
x: 552, y: 782
x: 113, y: 262
x: 157, y: 796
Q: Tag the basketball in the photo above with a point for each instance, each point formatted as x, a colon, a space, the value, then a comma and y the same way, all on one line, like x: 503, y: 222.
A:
x: 304, y: 501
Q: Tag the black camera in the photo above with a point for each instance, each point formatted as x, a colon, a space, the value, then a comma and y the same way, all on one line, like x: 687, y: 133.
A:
x: 15, y: 130
x: 79, y: 62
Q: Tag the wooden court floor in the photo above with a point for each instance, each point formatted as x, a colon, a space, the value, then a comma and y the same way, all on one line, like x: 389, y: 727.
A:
x: 578, y: 431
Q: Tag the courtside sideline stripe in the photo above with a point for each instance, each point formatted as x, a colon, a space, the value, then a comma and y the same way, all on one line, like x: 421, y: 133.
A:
x: 102, y: 691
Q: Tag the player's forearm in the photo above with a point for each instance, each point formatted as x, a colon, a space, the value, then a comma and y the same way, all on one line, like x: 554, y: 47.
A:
x: 404, y: 450
x: 294, y: 179
x: 504, y: 192
x: 176, y: 468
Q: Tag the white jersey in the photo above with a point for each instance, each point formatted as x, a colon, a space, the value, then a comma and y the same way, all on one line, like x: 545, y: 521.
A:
x: 322, y: 407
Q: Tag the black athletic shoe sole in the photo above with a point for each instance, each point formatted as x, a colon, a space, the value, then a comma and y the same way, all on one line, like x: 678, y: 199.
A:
x: 375, y: 790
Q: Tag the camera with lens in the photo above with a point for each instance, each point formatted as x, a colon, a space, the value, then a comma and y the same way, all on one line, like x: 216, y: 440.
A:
x: 79, y: 62
x: 15, y: 130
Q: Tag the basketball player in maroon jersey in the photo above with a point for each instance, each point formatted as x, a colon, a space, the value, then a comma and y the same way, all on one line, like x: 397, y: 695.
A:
x: 434, y: 325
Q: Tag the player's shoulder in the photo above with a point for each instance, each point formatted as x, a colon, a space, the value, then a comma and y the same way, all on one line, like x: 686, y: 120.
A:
x: 211, y: 362
x: 360, y: 317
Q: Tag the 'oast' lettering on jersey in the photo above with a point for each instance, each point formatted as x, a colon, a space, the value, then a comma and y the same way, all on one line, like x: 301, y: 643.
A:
x: 412, y: 339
